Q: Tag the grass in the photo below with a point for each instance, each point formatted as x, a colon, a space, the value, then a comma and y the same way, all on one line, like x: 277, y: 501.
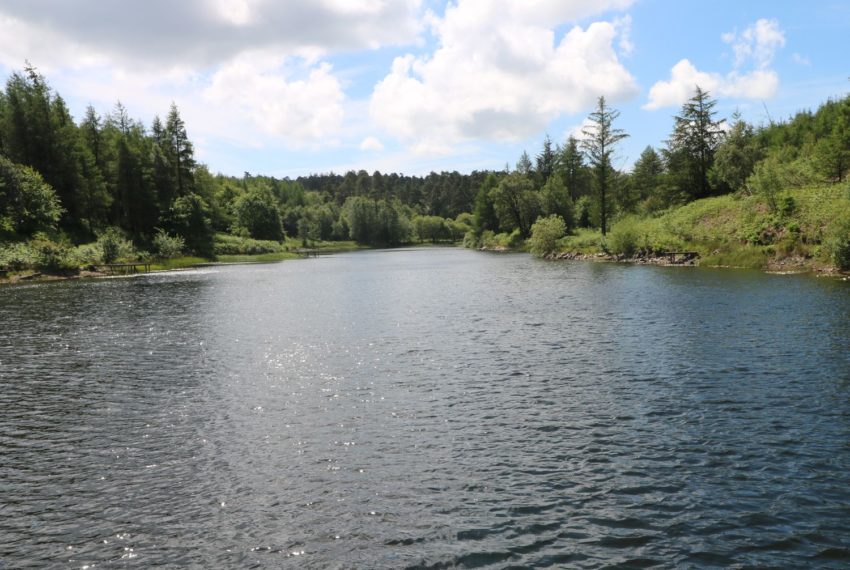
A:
x: 181, y: 262
x: 807, y: 228
x: 260, y: 257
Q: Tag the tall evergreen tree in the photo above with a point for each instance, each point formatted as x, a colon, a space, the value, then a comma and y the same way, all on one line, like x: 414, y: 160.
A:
x: 523, y: 165
x: 599, y: 144
x: 181, y: 151
x: 691, y: 147
x: 646, y: 176
x: 737, y: 155
x: 545, y: 162
x: 484, y: 214
x: 572, y: 168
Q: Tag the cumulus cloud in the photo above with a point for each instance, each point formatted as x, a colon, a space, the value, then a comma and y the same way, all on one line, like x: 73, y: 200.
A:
x: 758, y: 43
x: 198, y: 32
x: 684, y: 77
x: 499, y: 74
x: 751, y: 77
x: 259, y: 62
x: 257, y: 87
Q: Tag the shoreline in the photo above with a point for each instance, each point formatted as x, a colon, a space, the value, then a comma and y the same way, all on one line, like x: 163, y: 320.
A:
x: 786, y: 266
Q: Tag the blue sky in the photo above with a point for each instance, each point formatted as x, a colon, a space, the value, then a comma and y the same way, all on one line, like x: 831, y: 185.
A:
x: 292, y: 88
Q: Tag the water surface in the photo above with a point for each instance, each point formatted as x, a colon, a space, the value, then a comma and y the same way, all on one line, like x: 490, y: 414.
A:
x: 430, y: 408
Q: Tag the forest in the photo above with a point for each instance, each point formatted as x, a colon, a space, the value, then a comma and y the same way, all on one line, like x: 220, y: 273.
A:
x: 109, y: 187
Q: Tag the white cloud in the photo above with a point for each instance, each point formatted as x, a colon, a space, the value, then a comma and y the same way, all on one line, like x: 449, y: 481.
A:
x: 684, y: 77
x: 498, y: 73
x: 624, y: 30
x: 256, y: 86
x: 371, y: 143
x: 250, y: 71
x: 196, y: 32
x: 756, y: 45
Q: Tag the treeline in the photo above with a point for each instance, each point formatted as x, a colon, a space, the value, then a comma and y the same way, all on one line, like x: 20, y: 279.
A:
x: 105, y: 172
x: 113, y: 173
x: 704, y: 156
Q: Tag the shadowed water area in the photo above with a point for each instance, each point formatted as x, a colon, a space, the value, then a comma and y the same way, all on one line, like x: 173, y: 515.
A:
x: 431, y: 408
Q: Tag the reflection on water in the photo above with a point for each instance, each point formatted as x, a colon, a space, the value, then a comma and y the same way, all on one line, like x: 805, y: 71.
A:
x: 426, y: 408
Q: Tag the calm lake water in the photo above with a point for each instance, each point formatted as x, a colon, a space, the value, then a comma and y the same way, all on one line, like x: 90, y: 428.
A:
x: 429, y: 408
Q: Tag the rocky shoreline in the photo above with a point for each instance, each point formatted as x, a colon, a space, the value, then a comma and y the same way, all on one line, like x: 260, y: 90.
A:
x: 689, y: 258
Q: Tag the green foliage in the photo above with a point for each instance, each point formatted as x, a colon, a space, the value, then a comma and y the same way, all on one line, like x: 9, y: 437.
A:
x: 647, y: 173
x: 556, y: 200
x: 501, y: 241
x: 627, y: 236
x: 189, y: 219
x: 516, y: 203
x: 376, y: 222
x: 430, y: 228
x: 545, y: 234
x: 484, y: 214
x: 570, y: 165
x: 837, y: 241
x: 27, y: 203
x: 234, y: 245
x: 737, y: 155
x: 167, y: 246
x: 583, y: 241
x: 257, y: 214
x: 692, y: 145
x: 16, y: 256
x: 50, y: 255
x: 114, y: 246
x: 766, y: 181
x: 599, y: 145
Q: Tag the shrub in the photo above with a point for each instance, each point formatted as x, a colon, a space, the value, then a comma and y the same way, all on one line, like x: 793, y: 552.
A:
x: 17, y: 256
x: 114, y: 246
x: 625, y: 237
x: 167, y: 246
x: 50, y: 255
x: 545, y: 234
x: 837, y: 242
x: 234, y: 245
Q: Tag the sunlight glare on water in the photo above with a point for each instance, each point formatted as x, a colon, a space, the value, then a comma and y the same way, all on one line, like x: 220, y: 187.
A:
x: 426, y: 408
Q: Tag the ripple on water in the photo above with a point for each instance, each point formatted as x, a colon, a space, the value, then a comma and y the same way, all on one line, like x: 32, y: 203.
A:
x: 426, y: 409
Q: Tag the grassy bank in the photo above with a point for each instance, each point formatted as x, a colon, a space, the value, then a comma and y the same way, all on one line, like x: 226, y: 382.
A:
x: 54, y: 257
x: 806, y: 228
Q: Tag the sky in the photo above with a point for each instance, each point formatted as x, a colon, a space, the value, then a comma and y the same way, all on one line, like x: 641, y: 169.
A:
x: 290, y: 88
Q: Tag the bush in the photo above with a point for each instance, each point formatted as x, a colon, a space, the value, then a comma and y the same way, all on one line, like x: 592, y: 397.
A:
x: 257, y: 214
x: 114, y: 246
x: 625, y: 237
x: 838, y: 242
x: 50, y: 255
x: 27, y: 202
x: 545, y: 234
x: 17, y: 256
x: 167, y: 246
x: 234, y: 245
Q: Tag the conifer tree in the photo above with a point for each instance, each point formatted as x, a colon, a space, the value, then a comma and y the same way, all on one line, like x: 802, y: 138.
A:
x: 599, y: 145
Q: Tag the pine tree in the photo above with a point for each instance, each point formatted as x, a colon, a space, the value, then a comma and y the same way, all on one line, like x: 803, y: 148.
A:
x: 572, y: 168
x: 523, y: 165
x: 601, y: 138
x: 181, y: 152
x: 545, y: 162
x: 691, y: 147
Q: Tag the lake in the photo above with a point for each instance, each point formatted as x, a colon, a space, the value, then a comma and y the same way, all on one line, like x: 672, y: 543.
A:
x: 426, y: 408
